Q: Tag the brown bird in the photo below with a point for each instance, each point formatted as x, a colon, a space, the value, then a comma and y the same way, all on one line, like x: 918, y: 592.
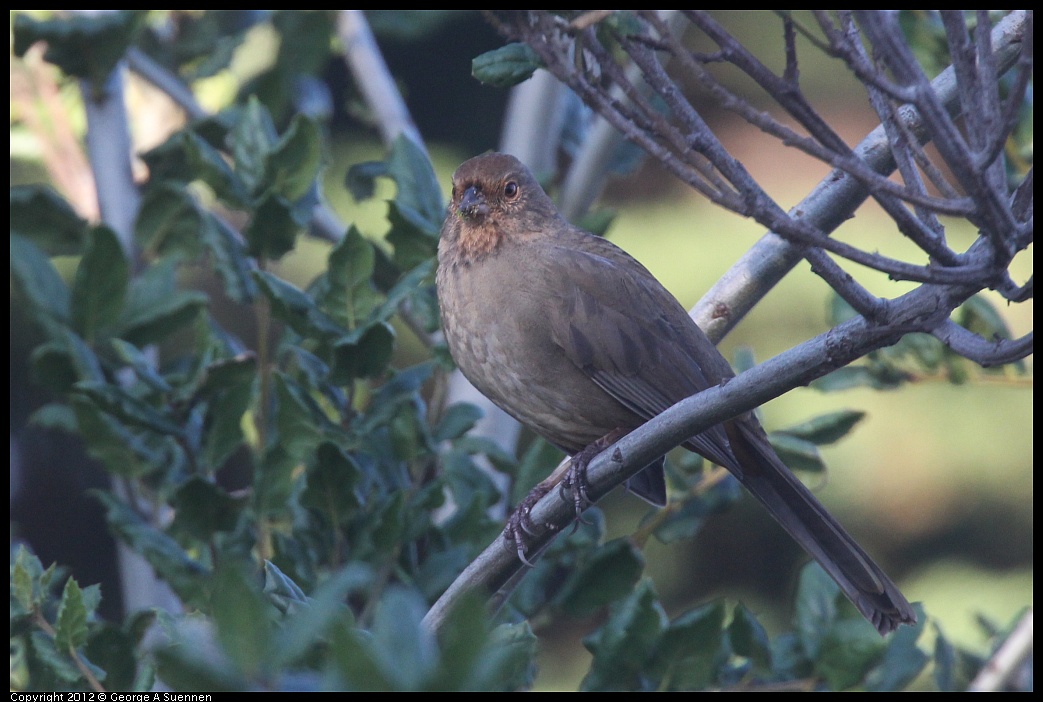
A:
x: 579, y: 342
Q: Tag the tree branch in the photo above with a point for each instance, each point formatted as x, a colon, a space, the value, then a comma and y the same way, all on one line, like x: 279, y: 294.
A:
x: 984, y: 352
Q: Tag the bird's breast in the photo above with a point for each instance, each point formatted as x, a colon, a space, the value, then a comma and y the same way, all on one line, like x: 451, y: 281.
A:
x: 496, y: 324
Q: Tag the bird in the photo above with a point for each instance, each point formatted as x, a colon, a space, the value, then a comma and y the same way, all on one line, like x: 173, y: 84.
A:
x: 579, y: 342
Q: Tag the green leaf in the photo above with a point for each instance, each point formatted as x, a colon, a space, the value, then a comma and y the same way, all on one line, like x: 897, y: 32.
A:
x: 608, y: 574
x: 35, y: 276
x: 440, y: 569
x: 361, y: 178
x: 797, y: 453
x: 847, y: 653
x: 91, y: 599
x: 114, y: 650
x: 598, y: 222
x: 510, y: 658
x: 206, y: 43
x: 693, y: 649
x: 281, y: 590
x: 356, y: 663
x: 297, y: 425
x: 401, y: 388
x: 84, y: 46
x: 313, y: 617
x: 748, y: 638
x: 243, y: 619
x: 128, y: 409
x: 101, y: 284
x: 70, y: 628
x: 506, y: 66
x: 457, y: 421
x: 419, y: 197
x: 388, y: 522
x: 230, y: 259
x: 58, y: 365
x: 25, y: 579
x: 189, y: 579
x: 945, y: 664
x: 293, y: 164
x: 227, y: 374
x: 533, y: 466
x: 623, y: 23
x: 55, y: 416
x: 297, y: 309
x: 349, y: 295
x: 625, y: 642
x: 202, y: 509
x: 252, y: 140
x: 169, y: 221
x: 42, y: 216
x: 925, y: 348
x: 333, y: 483
x: 467, y: 482
x: 500, y: 458
x: 463, y: 641
x: 189, y: 665
x: 408, y: 287
x: 272, y: 231
x: 683, y: 522
x: 405, y: 649
x: 689, y: 518
x: 364, y: 353
x: 156, y: 308
x: 133, y: 357
x: 109, y: 441
x: 816, y: 609
x: 57, y: 663
x: 413, y: 244
x: 229, y: 385
x: 826, y: 428
x: 273, y: 484
x: 186, y: 157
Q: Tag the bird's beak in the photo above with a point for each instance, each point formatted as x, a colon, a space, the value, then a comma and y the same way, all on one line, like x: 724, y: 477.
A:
x: 473, y: 204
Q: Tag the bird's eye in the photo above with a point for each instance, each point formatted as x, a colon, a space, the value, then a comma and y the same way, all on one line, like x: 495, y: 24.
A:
x: 510, y: 190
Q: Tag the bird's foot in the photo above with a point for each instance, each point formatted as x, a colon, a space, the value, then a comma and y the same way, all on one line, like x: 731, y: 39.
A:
x: 575, y: 480
x: 519, y: 525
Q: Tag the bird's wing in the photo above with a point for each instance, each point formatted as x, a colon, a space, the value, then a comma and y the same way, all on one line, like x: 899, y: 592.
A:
x: 618, y: 324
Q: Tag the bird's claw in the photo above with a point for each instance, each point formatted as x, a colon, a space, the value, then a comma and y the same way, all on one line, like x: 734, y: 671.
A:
x: 519, y: 524
x: 575, y: 481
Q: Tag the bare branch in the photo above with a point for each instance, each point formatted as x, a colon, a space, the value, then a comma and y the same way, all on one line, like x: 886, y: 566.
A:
x: 374, y: 79
x: 170, y: 84
x: 682, y: 151
x: 984, y: 352
x: 999, y: 670
x: 109, y: 152
x: 882, y: 29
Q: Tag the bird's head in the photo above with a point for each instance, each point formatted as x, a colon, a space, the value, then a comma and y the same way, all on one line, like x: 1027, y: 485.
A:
x: 495, y: 197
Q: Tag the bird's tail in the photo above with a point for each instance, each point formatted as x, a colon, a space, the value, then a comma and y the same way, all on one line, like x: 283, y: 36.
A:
x: 808, y: 522
x: 650, y: 484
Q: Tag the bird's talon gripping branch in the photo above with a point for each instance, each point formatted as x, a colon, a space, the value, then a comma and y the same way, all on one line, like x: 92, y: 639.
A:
x: 519, y: 524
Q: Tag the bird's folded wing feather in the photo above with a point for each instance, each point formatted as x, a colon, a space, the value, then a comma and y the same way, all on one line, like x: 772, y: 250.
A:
x: 632, y: 337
